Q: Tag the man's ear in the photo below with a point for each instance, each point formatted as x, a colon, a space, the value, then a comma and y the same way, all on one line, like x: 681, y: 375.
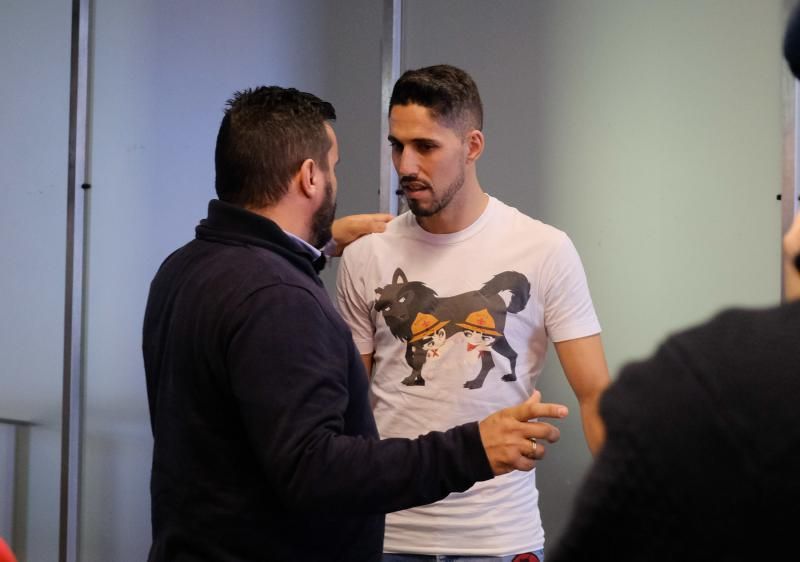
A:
x: 308, y: 177
x: 474, y: 142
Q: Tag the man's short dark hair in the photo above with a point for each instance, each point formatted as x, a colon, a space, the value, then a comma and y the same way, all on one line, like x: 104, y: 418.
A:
x: 264, y: 137
x: 448, y: 92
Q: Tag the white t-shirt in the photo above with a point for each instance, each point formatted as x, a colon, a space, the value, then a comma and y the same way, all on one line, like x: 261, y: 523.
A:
x: 446, y: 316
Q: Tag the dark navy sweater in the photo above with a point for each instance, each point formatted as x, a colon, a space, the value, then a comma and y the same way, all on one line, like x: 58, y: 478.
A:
x: 265, y: 447
x: 702, y: 456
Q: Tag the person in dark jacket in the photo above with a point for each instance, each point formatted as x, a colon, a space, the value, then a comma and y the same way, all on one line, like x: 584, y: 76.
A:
x: 265, y: 447
x: 701, y: 459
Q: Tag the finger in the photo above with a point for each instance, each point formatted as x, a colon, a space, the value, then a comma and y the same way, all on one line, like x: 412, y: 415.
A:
x: 541, y: 431
x: 378, y: 226
x: 534, y: 408
x: 373, y: 217
x: 520, y: 411
x: 524, y: 463
x: 533, y: 449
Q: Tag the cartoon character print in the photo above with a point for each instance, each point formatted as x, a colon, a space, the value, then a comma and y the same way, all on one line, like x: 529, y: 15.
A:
x: 415, y: 314
x: 429, y: 332
x: 479, y: 329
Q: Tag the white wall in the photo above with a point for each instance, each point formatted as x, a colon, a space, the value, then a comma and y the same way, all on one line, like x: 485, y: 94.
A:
x: 648, y: 131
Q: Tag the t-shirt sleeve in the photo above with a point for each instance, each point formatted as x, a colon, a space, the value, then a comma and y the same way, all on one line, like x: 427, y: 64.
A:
x: 569, y: 313
x: 355, y: 303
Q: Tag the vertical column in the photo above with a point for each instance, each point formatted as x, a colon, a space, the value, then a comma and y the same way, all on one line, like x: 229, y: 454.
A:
x: 14, y: 447
x: 8, y: 445
x: 391, y: 42
x: 77, y: 185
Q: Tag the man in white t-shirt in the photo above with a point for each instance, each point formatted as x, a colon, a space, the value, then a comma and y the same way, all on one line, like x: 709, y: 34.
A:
x: 452, y: 307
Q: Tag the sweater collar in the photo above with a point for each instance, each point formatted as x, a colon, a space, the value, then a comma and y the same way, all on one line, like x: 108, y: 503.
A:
x: 231, y: 224
x: 315, y: 253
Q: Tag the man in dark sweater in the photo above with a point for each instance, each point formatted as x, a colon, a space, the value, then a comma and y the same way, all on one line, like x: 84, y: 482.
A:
x: 702, y: 453
x: 265, y: 447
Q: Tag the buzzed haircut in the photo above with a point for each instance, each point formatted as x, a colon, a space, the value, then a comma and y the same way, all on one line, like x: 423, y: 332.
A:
x: 448, y: 92
x: 264, y: 137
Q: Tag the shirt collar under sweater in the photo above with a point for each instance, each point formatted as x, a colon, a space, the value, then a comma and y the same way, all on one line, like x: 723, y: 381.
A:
x: 315, y: 253
x: 230, y: 224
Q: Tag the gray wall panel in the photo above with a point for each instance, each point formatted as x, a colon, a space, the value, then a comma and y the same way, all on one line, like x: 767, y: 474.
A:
x: 162, y: 74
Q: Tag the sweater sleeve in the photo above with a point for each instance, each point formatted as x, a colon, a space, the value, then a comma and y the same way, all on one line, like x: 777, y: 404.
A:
x: 301, y: 391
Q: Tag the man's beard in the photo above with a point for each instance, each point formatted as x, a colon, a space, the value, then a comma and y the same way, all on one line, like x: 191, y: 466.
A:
x: 436, y: 204
x: 322, y: 220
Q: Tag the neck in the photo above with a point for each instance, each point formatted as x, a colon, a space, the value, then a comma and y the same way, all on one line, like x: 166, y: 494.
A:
x: 461, y: 212
x: 288, y: 219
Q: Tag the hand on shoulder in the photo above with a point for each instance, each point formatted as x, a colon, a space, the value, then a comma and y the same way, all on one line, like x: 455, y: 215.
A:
x: 352, y: 227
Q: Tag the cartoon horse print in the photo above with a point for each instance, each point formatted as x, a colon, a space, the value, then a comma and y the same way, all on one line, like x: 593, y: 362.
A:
x: 415, y: 314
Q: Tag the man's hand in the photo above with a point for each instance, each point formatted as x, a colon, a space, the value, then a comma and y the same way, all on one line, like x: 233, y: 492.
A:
x: 350, y: 228
x: 506, y: 434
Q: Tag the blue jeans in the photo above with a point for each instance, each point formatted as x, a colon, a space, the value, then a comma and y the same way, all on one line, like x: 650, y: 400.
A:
x: 539, y: 556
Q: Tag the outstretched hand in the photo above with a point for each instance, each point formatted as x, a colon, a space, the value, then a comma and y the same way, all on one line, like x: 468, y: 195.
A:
x: 507, y: 433
x: 350, y: 228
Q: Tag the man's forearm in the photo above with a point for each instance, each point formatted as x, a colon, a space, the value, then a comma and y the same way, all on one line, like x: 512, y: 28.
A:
x: 593, y: 427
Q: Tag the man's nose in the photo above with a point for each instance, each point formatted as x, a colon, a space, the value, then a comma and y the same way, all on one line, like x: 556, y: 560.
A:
x: 406, y: 163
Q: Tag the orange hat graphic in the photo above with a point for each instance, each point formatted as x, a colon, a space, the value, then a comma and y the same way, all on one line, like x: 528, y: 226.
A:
x: 480, y: 321
x: 424, y: 325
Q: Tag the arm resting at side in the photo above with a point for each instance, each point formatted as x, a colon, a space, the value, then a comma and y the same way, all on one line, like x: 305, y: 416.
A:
x: 584, y: 364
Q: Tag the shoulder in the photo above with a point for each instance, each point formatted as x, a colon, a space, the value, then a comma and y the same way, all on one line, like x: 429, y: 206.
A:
x: 252, y: 273
x: 293, y: 308
x: 520, y: 224
x: 373, y: 244
x: 735, y: 360
x: 742, y: 334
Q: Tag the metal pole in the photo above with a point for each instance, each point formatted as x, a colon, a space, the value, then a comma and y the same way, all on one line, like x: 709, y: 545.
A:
x: 391, y: 44
x: 72, y: 394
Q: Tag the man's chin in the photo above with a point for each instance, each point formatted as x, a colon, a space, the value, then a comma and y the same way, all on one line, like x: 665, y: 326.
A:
x: 420, y: 210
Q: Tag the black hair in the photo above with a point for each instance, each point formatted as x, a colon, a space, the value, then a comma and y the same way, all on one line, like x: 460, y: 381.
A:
x: 448, y: 92
x: 264, y: 137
